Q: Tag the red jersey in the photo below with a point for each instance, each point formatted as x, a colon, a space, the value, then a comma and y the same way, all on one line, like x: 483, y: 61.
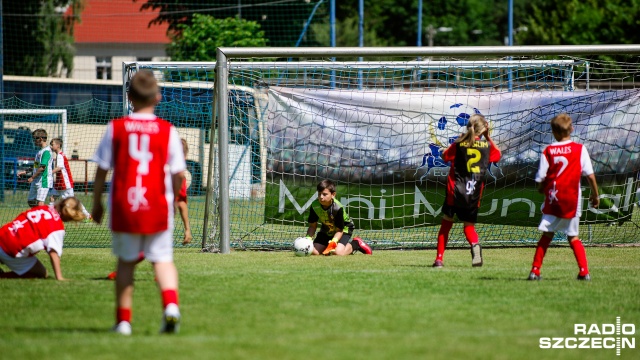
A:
x: 144, y: 151
x: 561, y: 166
x: 36, y: 229
x: 469, y: 163
x: 64, y: 180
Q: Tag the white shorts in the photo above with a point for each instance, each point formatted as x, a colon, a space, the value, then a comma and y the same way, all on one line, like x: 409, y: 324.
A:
x: 37, y: 192
x: 19, y: 265
x: 63, y: 194
x: 550, y: 223
x: 157, y: 247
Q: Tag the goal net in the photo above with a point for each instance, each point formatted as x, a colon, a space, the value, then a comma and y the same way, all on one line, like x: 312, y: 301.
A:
x: 17, y: 148
x: 378, y: 127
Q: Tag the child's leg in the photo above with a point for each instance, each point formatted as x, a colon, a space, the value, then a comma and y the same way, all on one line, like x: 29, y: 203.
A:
x: 580, y: 254
x: 38, y: 271
x: 158, y: 249
x: 113, y: 274
x: 124, y: 290
x: 167, y: 275
x: 470, y: 233
x: 342, y: 249
x: 541, y: 250
x: 183, y: 208
x: 443, y: 236
x: 472, y: 237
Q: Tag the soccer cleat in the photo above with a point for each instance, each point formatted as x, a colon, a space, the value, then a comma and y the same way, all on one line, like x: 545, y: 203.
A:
x: 112, y: 275
x: 170, y: 320
x: 533, y: 276
x: 437, y: 264
x: 476, y: 255
x: 331, y: 248
x: 585, y: 277
x: 363, y: 247
x: 122, y: 328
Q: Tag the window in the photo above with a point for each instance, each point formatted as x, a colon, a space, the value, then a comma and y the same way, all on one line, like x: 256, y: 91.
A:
x: 103, y: 68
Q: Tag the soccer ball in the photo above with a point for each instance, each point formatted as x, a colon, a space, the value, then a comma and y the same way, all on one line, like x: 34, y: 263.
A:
x: 452, y: 125
x: 303, y: 246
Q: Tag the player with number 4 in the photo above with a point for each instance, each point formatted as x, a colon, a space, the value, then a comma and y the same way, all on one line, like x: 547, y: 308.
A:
x: 145, y: 153
x: 470, y: 156
x: 561, y: 166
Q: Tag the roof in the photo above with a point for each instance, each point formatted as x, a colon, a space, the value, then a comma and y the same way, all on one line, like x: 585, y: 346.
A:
x: 118, y: 21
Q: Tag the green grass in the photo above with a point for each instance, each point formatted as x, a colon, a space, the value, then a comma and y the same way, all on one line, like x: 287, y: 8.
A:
x: 272, y: 305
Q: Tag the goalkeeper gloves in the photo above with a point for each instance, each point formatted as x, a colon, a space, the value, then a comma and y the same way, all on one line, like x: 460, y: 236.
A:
x: 331, y: 247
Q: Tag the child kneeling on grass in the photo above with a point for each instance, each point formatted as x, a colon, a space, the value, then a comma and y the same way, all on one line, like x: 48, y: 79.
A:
x: 335, y: 234
x: 39, y: 228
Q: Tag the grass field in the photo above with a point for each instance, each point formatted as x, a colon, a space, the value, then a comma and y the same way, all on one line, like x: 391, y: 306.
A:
x: 272, y: 305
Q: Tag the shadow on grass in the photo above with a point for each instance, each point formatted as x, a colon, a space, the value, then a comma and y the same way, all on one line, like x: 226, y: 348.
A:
x: 40, y: 330
x: 495, y: 278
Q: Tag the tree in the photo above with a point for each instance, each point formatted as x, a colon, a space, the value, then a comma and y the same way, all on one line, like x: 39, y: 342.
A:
x: 47, y: 32
x: 282, y: 23
x: 582, y: 22
x: 198, y: 41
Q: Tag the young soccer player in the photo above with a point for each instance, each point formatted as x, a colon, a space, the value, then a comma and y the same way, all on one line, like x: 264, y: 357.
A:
x: 39, y: 228
x: 42, y: 179
x: 63, y: 185
x: 148, y: 164
x: 336, y: 229
x: 470, y: 156
x: 181, y: 202
x: 561, y: 166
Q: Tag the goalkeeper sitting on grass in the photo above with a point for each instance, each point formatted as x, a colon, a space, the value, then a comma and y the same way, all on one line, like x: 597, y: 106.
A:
x: 335, y: 234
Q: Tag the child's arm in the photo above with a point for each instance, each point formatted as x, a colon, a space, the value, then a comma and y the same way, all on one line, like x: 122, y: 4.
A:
x: 594, y: 198
x: 177, y: 183
x: 98, y: 187
x: 312, y: 230
x: 55, y: 264
x: 39, y: 171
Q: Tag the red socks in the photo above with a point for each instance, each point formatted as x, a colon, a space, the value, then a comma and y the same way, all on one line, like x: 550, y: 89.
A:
x: 169, y: 297
x: 541, y: 250
x: 443, y: 237
x: 581, y: 256
x: 123, y: 314
x: 471, y: 234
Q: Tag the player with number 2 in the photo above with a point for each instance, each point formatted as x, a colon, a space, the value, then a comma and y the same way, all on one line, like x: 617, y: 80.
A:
x: 147, y: 159
x: 469, y: 156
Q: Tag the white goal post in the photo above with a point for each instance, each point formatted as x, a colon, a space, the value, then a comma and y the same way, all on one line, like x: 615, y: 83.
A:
x: 229, y: 58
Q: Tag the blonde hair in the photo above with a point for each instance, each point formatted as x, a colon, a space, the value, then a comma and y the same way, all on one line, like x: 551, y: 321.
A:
x: 70, y: 209
x: 561, y: 125
x: 476, y: 126
x: 57, y: 141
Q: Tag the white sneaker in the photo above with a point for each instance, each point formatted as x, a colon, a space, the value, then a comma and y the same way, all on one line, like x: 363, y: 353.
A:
x: 122, y: 328
x: 170, y: 320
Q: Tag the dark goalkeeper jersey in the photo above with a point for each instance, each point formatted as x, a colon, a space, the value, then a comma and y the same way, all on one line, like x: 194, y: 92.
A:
x: 332, y: 219
x: 469, y: 163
